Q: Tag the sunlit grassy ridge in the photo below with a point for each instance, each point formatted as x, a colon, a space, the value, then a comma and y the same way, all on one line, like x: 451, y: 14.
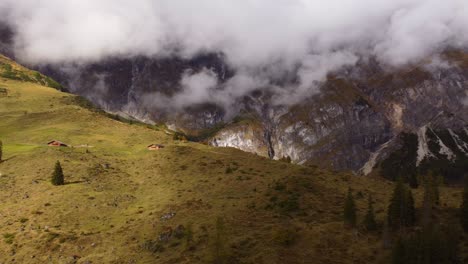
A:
x: 11, y: 70
x: 117, y: 191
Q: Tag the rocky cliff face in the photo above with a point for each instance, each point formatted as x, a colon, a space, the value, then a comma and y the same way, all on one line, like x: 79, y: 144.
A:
x: 357, y: 119
x: 125, y: 86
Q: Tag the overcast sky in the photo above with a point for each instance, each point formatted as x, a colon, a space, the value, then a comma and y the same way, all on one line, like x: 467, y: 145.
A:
x: 318, y: 35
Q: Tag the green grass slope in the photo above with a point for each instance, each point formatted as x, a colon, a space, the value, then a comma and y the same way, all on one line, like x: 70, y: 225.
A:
x: 185, y: 203
x: 12, y: 70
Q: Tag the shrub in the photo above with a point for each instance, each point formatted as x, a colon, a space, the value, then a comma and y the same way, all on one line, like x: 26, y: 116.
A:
x: 286, y: 159
x: 8, y: 238
x: 229, y: 170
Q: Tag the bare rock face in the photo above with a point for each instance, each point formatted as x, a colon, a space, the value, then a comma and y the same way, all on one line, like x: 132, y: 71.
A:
x: 246, y: 135
x: 355, y: 122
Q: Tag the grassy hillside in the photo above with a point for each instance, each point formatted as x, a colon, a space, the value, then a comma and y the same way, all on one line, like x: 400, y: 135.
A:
x: 12, y: 70
x: 186, y: 203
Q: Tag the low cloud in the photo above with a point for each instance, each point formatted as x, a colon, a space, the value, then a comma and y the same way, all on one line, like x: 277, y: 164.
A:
x: 197, y: 88
x: 260, y: 39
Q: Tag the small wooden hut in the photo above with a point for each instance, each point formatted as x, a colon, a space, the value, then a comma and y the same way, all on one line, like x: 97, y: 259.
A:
x: 56, y: 143
x: 155, y: 147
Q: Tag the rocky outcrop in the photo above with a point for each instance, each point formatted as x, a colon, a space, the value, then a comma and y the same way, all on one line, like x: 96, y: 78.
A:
x: 244, y: 135
x: 355, y: 122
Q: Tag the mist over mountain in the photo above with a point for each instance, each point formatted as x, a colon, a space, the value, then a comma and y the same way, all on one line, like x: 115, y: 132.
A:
x: 260, y: 39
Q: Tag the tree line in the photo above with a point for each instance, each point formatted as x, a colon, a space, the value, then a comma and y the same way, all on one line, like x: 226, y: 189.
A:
x: 414, y: 235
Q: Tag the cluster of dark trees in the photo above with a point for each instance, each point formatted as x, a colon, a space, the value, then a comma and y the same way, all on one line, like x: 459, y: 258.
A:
x: 429, y: 242
x: 350, y: 216
x: 419, y: 236
x: 403, y: 162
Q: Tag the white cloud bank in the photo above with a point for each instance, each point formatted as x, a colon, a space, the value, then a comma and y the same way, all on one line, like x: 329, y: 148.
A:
x: 314, y: 36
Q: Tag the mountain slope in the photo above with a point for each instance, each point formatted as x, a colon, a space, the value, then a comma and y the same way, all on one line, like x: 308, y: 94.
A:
x: 125, y: 204
x: 11, y: 70
x: 358, y: 110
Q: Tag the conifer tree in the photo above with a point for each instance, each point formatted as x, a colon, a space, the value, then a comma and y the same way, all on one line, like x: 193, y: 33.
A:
x: 427, y: 205
x: 433, y: 244
x: 57, y: 176
x: 369, y: 219
x: 350, y: 210
x: 431, y: 188
x: 395, y: 212
x: 1, y: 150
x: 413, y: 181
x: 435, y: 182
x: 386, y: 238
x: 401, y: 211
x: 464, y: 207
x: 410, y: 214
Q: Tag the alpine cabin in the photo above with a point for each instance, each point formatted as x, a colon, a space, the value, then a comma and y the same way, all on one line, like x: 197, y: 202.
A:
x: 56, y: 143
x: 155, y: 147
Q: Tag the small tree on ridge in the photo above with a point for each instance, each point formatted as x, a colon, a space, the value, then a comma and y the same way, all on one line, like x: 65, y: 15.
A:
x: 57, y: 176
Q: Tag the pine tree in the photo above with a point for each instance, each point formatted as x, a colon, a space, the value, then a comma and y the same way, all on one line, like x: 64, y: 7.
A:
x: 395, y: 210
x: 1, y: 150
x: 401, y: 211
x: 431, y: 188
x: 386, y: 238
x: 410, y: 214
x: 413, y: 181
x: 369, y: 219
x: 464, y: 207
x: 427, y: 205
x: 57, y: 176
x: 435, y: 189
x: 350, y: 210
x: 432, y: 245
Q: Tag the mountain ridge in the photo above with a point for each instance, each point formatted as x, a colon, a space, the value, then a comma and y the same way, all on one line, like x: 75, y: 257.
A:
x: 358, y: 109
x: 369, y: 112
x: 123, y: 203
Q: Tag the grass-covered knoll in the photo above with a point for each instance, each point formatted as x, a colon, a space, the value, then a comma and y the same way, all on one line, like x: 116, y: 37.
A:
x: 185, y: 203
x: 11, y: 70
